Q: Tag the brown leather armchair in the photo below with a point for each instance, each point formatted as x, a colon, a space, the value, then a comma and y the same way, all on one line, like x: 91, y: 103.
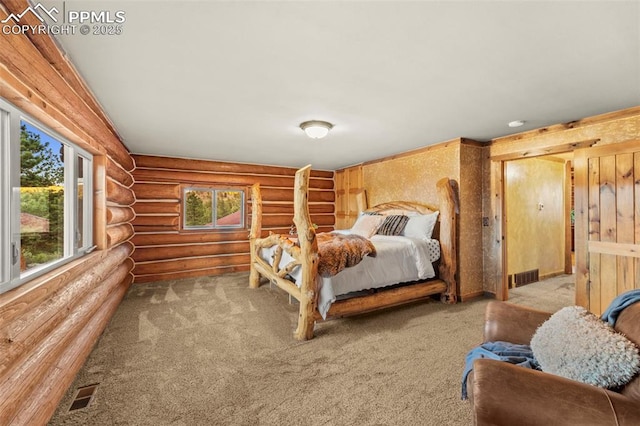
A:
x: 506, y: 394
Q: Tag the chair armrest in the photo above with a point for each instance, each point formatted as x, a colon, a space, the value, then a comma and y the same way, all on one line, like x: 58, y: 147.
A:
x: 511, y: 323
x: 506, y: 394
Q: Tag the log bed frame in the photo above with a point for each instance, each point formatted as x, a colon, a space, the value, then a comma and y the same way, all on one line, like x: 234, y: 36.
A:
x: 305, y: 254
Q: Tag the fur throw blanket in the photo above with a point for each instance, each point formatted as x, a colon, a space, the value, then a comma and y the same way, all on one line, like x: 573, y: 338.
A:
x: 338, y: 251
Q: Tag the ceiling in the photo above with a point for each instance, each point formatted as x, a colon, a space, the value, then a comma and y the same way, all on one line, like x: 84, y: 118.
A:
x: 232, y: 81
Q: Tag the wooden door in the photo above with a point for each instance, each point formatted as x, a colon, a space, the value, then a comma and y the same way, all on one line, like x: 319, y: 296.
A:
x: 607, y: 194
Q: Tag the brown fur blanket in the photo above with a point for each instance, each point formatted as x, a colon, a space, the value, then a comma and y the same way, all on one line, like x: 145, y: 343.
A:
x: 338, y: 251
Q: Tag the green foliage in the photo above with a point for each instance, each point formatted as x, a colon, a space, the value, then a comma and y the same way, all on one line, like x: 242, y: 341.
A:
x: 198, y: 213
x: 39, y: 165
x: 41, y: 195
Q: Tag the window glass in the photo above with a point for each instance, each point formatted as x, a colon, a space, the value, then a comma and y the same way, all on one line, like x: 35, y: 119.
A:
x: 41, y: 198
x: 229, y: 208
x: 210, y: 208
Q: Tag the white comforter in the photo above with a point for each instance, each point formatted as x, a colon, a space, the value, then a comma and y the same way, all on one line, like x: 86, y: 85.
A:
x: 398, y: 259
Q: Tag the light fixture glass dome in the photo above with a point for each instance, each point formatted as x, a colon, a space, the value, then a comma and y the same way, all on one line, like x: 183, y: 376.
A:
x: 316, y: 129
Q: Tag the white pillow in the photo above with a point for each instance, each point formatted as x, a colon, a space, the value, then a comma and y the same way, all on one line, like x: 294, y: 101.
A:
x: 421, y: 226
x: 576, y: 344
x: 367, y: 225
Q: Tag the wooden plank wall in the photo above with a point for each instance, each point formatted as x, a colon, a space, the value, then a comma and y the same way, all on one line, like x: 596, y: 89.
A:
x: 164, y: 251
x: 49, y: 325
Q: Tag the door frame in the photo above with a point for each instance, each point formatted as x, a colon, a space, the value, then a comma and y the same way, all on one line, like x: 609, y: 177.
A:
x: 498, y: 188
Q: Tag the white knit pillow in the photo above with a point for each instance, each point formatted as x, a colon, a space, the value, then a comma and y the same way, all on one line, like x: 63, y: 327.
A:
x: 576, y: 344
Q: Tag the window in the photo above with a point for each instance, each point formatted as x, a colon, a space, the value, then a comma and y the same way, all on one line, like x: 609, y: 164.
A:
x: 45, y: 213
x: 213, y: 208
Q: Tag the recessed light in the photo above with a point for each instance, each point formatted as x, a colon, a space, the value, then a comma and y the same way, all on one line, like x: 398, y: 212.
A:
x: 516, y: 123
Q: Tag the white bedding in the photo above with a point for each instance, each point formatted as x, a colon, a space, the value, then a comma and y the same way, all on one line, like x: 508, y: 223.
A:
x: 398, y: 259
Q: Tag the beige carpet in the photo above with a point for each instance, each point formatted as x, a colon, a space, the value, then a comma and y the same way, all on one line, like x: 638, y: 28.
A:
x: 211, y: 351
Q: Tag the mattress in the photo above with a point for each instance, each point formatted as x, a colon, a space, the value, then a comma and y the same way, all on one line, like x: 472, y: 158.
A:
x: 398, y: 259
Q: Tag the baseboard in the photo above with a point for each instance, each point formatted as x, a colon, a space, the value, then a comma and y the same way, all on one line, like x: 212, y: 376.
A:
x: 473, y: 295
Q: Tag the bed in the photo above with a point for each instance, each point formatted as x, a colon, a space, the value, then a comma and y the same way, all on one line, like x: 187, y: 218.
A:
x: 400, y: 270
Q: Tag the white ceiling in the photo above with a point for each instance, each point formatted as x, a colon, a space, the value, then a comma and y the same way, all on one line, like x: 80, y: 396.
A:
x: 232, y: 81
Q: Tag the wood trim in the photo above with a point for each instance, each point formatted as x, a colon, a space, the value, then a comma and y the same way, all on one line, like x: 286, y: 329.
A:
x: 580, y: 165
x: 613, y: 248
x: 544, y: 150
x: 568, y: 262
x: 588, y: 121
x: 384, y: 299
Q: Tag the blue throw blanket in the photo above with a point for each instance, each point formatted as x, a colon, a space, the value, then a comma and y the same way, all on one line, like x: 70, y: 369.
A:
x: 501, y: 351
x: 618, y: 304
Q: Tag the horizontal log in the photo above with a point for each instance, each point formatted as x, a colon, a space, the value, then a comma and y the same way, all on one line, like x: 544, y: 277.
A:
x: 153, y: 239
x: 146, y: 207
x: 202, y: 177
x: 187, y: 264
x: 21, y: 380
x: 279, y: 194
x: 162, y: 252
x: 44, y: 401
x: 287, y: 208
x: 157, y: 191
x: 263, y: 268
x: 149, y: 161
x: 20, y: 300
x: 283, y: 220
x: 190, y: 274
x: 119, y: 194
x: 117, y: 215
x: 156, y: 229
x: 118, y: 234
x: 384, y: 299
x: 171, y: 220
x: 117, y: 173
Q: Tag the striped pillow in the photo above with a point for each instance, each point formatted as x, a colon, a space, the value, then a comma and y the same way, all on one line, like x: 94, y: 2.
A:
x: 393, y: 225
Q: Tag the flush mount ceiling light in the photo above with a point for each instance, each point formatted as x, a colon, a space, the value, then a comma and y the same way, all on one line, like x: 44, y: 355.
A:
x: 516, y: 123
x: 316, y: 129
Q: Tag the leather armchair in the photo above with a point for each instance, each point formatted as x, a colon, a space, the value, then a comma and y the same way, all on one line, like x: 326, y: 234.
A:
x: 504, y: 394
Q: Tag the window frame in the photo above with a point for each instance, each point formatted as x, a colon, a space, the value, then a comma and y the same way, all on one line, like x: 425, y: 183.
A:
x: 214, y: 188
x: 11, y: 119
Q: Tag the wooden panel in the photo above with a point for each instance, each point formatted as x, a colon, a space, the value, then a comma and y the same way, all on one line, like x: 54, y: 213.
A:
x: 636, y: 162
x: 594, y: 231
x: 625, y: 226
x: 608, y: 223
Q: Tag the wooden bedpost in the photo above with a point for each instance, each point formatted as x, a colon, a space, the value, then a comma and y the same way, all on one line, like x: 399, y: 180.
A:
x: 448, y: 238
x: 309, y: 254
x: 256, y: 230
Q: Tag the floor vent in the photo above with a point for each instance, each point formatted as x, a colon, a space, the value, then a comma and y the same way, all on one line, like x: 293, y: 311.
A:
x: 83, y: 397
x: 526, y: 277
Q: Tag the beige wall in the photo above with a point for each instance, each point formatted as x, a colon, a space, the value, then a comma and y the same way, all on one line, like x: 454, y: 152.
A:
x: 413, y: 176
x: 535, y: 235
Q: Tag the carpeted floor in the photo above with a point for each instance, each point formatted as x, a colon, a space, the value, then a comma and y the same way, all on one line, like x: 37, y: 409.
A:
x: 211, y: 351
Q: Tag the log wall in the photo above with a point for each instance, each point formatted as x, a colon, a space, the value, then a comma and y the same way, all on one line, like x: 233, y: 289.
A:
x: 165, y: 251
x: 49, y: 325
